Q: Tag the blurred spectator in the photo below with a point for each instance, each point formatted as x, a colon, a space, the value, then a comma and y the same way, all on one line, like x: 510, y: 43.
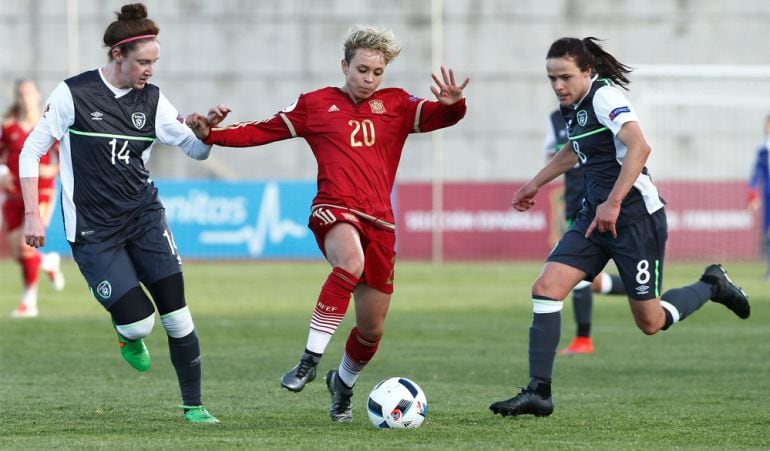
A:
x: 18, y: 122
x: 759, y: 192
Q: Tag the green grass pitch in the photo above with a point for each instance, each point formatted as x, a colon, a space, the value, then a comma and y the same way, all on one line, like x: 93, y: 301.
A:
x: 458, y: 330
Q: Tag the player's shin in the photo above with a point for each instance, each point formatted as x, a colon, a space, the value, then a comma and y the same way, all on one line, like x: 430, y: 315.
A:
x: 359, y: 351
x: 679, y: 303
x: 330, y: 309
x: 544, y: 335
x: 184, y: 350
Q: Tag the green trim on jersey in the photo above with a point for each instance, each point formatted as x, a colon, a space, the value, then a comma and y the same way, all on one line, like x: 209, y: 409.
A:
x: 107, y: 135
x: 593, y: 132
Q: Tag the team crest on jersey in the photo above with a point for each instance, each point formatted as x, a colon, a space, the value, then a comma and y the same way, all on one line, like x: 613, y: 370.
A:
x: 377, y: 106
x: 138, y: 119
x: 582, y: 117
x: 104, y: 289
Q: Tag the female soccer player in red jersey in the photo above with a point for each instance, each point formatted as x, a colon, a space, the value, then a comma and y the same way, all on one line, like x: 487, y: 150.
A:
x: 357, y: 134
x: 18, y: 122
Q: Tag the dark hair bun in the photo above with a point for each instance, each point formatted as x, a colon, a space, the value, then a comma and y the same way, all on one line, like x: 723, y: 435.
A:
x: 133, y: 11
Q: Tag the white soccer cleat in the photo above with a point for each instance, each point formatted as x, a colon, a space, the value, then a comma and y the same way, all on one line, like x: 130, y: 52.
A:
x: 24, y: 311
x: 51, y: 264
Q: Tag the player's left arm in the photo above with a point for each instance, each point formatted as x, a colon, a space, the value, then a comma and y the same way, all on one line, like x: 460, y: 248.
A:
x: 615, y: 112
x: 51, y: 169
x: 449, y: 106
x: 171, y: 130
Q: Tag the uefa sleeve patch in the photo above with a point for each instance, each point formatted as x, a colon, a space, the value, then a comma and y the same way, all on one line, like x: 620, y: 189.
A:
x: 618, y: 111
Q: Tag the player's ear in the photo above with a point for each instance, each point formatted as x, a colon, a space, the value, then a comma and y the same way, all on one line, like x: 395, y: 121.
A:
x: 117, y: 55
x: 344, y: 65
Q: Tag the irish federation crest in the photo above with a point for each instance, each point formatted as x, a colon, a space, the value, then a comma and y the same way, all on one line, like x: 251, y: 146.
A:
x: 138, y: 119
x: 377, y: 106
x: 104, y: 289
x: 582, y: 117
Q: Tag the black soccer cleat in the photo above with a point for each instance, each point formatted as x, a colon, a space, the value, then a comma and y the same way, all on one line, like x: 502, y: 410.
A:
x: 527, y: 402
x: 302, y: 374
x: 340, y: 410
x: 725, y: 291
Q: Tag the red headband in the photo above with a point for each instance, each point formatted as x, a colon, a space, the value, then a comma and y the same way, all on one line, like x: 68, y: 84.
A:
x: 135, y: 38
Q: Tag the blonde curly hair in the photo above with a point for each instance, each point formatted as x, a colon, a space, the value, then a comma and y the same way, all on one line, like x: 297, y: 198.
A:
x: 373, y: 38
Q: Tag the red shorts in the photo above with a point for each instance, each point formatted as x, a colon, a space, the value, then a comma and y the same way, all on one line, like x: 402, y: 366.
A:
x: 13, y: 211
x: 379, y: 244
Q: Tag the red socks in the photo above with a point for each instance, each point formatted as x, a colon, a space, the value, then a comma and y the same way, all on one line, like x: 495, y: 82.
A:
x: 333, y: 301
x: 30, y: 265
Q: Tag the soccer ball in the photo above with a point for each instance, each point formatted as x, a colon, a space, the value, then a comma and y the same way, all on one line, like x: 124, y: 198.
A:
x: 397, y: 403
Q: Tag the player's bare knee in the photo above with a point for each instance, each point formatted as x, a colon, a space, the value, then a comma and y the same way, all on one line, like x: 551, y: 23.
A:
x: 178, y: 323
x: 647, y: 326
x: 138, y: 329
x: 549, y: 290
x: 353, y: 265
x: 371, y: 332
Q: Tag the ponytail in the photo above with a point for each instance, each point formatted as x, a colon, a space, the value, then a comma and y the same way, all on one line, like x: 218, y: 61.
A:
x: 606, y: 65
x: 590, y: 55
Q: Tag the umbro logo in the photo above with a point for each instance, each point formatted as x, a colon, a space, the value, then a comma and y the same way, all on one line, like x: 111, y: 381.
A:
x: 96, y: 116
x: 332, y: 109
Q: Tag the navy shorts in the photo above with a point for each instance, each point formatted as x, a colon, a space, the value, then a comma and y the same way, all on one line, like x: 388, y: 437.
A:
x: 144, y: 251
x: 638, y: 252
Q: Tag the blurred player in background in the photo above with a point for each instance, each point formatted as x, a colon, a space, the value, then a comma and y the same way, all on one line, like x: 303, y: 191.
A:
x: 759, y: 192
x: 604, y: 283
x: 357, y: 134
x: 107, y: 121
x: 18, y: 122
x: 622, y: 217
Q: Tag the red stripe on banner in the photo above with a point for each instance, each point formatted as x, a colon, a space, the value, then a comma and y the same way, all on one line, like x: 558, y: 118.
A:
x: 707, y: 220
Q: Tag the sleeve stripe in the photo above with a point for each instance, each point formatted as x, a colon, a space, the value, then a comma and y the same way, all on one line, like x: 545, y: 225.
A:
x: 289, y: 125
x: 417, y: 116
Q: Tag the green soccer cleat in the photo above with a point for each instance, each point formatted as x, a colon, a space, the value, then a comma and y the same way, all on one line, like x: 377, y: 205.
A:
x: 198, y: 414
x: 135, y: 353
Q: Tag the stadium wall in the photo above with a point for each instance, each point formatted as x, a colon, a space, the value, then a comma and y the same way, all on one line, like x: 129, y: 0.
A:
x: 701, y: 84
x: 257, y: 56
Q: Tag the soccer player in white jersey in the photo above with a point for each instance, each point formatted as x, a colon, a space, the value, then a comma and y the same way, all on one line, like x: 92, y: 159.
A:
x: 107, y: 121
x: 622, y: 217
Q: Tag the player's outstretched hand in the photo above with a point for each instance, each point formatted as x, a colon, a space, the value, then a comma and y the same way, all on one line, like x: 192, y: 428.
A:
x: 199, y: 125
x: 446, y: 90
x: 217, y: 114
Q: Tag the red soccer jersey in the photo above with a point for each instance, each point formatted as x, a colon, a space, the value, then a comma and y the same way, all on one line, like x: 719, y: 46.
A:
x: 11, y: 143
x: 357, y: 145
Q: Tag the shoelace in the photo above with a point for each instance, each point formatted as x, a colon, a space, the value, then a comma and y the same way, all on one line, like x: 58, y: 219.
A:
x: 305, y: 365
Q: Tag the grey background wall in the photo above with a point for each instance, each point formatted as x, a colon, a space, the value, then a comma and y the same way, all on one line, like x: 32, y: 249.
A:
x: 702, y: 84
